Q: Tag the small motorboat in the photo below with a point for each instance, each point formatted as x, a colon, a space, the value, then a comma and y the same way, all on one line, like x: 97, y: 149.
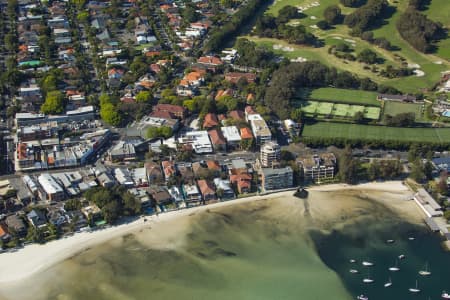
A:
x: 389, y: 283
x: 367, y: 263
x: 354, y: 271
x: 401, y: 256
x: 425, y: 272
x: 415, y: 289
x: 362, y: 297
x: 390, y: 241
x: 352, y: 261
x: 411, y: 238
x: 445, y: 295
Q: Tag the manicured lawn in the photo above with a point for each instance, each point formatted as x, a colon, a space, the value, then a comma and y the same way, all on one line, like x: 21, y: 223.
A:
x: 355, y: 131
x: 395, y: 108
x: 431, y: 64
x: 345, y: 96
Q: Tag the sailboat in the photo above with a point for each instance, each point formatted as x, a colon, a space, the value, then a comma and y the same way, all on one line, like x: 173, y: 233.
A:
x: 445, y: 295
x: 354, y: 271
x: 416, y: 289
x: 352, y: 261
x: 368, y: 279
x: 411, y: 238
x: 389, y: 283
x: 390, y: 241
x: 395, y: 268
x: 362, y: 297
x: 425, y: 272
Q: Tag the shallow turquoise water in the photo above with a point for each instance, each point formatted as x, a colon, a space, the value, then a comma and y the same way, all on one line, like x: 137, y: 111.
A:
x: 259, y: 251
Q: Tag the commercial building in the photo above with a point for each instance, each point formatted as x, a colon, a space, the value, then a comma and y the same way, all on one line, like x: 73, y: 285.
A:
x: 51, y: 190
x: 270, y: 154
x: 274, y: 179
x: 122, y: 151
x: 317, y: 168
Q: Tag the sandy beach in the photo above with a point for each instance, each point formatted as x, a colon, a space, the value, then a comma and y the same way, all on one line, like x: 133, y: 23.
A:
x: 35, y: 258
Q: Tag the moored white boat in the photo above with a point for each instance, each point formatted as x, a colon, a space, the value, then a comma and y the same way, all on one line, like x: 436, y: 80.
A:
x: 389, y: 283
x: 367, y: 263
x: 401, y: 256
x: 415, y: 289
x: 352, y: 261
x: 425, y: 272
x: 390, y: 241
x: 362, y: 297
x: 411, y: 238
x: 395, y: 268
x: 445, y: 295
x: 354, y: 271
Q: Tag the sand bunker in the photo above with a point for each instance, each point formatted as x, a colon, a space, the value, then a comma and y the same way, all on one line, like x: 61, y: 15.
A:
x: 414, y: 66
x: 419, y: 73
x: 299, y: 59
x: 283, y: 48
x: 439, y: 62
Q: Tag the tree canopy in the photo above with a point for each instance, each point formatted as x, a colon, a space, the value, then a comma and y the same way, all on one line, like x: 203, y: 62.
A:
x: 54, y: 103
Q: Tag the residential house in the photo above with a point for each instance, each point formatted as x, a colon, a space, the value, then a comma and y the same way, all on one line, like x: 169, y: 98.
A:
x: 56, y: 215
x: 154, y: 173
x: 208, y: 190
x: 234, y: 77
x: 4, y: 233
x: 176, y: 110
x: 37, y: 218
x: 246, y: 133
x: 186, y: 173
x: 218, y: 140
x: 51, y: 190
x: 192, y: 195
x: 224, y: 190
x: 176, y: 195
x: 232, y: 136
x: 169, y: 170
x: 160, y: 195
x: 16, y: 223
x: 210, y: 62
x: 210, y: 121
x: 123, y: 177
x: 237, y: 115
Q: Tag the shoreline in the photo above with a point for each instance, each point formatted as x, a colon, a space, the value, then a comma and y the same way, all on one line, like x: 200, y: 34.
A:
x: 34, y: 258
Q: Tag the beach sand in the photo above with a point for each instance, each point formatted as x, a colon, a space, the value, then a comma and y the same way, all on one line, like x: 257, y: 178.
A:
x: 324, y: 207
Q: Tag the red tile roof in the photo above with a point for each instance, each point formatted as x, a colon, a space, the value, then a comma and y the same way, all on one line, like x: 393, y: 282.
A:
x: 210, y: 60
x: 205, y: 187
x: 210, y: 120
x: 217, y: 137
x: 213, y: 165
x: 246, y: 133
x: 237, y: 115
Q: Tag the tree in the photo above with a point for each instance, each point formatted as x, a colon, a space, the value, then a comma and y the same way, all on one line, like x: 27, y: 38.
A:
x: 348, y: 166
x: 323, y: 25
x: 144, y: 96
x: 367, y: 56
x: 287, y: 13
x: 332, y: 14
x: 247, y: 144
x: 110, y: 115
x: 72, y: 204
x: 358, y: 117
x: 417, y: 172
x: 131, y: 204
x: 111, y: 212
x: 54, y: 103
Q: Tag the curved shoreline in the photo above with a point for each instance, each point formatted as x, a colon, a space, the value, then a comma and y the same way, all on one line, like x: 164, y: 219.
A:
x: 34, y: 258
